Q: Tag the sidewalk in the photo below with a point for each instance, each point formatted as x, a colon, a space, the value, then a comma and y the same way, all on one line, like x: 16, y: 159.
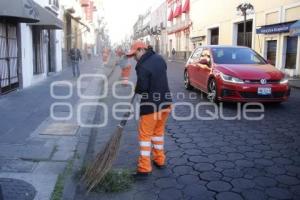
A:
x: 295, y: 83
x: 129, y: 144
x: 34, y: 148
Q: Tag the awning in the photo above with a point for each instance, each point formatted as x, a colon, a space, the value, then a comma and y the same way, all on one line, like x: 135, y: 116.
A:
x: 275, y: 28
x: 295, y: 29
x: 78, y: 21
x: 47, y: 19
x: 178, y: 10
x: 170, y: 18
x: 186, y: 7
x: 19, y: 11
x: 85, y: 3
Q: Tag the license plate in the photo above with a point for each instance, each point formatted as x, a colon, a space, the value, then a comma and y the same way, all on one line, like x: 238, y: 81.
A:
x: 264, y: 91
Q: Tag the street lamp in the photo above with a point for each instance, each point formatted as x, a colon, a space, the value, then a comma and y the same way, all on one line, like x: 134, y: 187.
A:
x: 245, y: 8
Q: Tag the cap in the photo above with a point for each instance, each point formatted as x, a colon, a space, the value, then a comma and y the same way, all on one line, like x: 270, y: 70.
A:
x: 135, y: 46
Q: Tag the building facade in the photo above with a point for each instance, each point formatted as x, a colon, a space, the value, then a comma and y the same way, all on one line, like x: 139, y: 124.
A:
x: 75, y: 14
x: 141, y: 28
x: 30, y: 42
x: 179, y: 27
x: 267, y: 29
x: 158, y: 31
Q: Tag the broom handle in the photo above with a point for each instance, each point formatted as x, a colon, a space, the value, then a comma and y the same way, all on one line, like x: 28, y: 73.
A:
x: 127, y: 114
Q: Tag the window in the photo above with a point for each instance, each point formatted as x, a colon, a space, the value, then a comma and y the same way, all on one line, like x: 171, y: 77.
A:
x: 206, y: 55
x: 240, y: 34
x: 291, y: 52
x: 197, y: 53
x: 54, y: 3
x: 214, y: 36
x: 271, y: 51
x: 229, y: 55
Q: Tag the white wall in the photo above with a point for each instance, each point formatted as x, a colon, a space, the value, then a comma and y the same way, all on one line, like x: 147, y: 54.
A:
x: 59, y: 42
x: 27, y: 54
x: 26, y: 41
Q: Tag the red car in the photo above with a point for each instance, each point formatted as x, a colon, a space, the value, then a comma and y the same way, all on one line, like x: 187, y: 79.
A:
x: 234, y: 73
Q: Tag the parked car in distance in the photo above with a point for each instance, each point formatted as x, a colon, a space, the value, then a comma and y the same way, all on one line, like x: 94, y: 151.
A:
x: 234, y: 73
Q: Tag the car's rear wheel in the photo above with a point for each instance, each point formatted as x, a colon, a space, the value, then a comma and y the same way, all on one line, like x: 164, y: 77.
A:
x: 212, y: 91
x: 187, y: 83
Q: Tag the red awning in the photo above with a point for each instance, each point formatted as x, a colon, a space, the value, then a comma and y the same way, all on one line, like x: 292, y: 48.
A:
x: 178, y: 10
x: 84, y: 3
x: 170, y: 18
x: 186, y: 7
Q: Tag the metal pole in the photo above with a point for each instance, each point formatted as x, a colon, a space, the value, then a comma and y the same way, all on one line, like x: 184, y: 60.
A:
x: 245, y: 21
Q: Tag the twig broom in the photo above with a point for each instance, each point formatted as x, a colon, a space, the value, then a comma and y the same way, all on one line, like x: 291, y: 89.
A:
x: 96, y: 171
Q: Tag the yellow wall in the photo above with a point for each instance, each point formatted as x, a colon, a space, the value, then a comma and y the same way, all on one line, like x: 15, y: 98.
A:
x: 206, y: 14
x: 292, y: 13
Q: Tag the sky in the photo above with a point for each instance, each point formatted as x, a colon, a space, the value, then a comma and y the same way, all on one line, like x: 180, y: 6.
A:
x: 121, y: 15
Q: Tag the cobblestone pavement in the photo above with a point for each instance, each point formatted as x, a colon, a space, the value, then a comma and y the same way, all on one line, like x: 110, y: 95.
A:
x: 219, y: 159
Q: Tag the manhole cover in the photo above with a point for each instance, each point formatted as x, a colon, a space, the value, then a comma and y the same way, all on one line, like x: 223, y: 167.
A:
x: 13, y: 189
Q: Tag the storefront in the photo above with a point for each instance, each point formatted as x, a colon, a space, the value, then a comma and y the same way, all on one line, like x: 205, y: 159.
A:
x: 12, y: 13
x: 44, y: 42
x: 30, y: 46
x: 281, y: 46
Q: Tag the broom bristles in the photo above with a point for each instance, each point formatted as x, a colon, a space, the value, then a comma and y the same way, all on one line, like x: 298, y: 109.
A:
x: 104, y: 159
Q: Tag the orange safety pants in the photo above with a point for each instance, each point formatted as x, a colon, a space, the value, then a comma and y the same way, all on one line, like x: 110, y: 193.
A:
x: 151, y: 139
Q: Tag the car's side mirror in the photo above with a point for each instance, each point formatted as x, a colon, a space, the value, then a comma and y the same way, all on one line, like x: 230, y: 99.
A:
x: 204, y: 62
x: 270, y: 62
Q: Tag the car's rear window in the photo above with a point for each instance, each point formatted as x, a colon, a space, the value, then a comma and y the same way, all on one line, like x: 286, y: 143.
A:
x: 227, y: 55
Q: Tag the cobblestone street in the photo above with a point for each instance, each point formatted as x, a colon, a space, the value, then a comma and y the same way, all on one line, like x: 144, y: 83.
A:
x: 219, y: 159
x: 149, y: 100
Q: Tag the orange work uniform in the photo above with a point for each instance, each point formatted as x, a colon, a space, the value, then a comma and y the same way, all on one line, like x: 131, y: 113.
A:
x: 152, y: 84
x: 151, y: 139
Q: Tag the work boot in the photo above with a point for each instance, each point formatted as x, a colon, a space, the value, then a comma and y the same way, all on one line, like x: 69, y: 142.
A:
x: 159, y: 166
x: 141, y: 175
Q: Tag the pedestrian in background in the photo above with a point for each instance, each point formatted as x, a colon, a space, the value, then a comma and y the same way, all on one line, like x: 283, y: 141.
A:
x: 75, y: 56
x: 155, y: 106
x: 125, y: 65
x: 105, y: 55
x: 173, y: 54
x: 89, y: 53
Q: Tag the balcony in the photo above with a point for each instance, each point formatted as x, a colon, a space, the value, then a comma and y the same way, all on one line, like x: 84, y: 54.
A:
x: 180, y: 26
x: 53, y: 6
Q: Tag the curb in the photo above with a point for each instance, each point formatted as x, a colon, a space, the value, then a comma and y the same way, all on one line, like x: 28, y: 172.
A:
x: 294, y: 83
x: 71, y: 185
x: 295, y: 87
x: 176, y: 61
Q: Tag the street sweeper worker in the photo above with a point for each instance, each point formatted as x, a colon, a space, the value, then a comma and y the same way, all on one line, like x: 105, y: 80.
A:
x: 155, y: 106
x: 124, y: 63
